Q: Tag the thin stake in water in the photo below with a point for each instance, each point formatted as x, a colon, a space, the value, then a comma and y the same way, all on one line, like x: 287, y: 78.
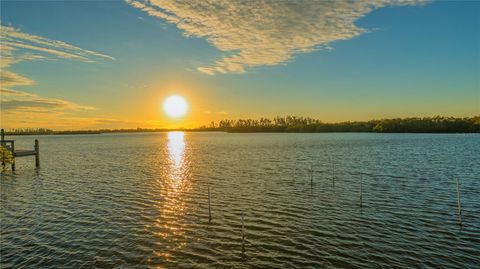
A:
x: 459, y: 204
x: 37, y: 154
x: 209, y: 210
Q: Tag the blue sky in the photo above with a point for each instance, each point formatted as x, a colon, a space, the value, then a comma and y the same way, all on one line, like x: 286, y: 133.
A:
x: 413, y: 60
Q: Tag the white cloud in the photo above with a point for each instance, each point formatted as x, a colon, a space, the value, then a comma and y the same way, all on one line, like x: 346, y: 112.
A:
x: 15, y: 47
x: 13, y: 39
x: 264, y: 32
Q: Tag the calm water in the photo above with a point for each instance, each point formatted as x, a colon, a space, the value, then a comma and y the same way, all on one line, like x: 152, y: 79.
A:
x: 140, y: 200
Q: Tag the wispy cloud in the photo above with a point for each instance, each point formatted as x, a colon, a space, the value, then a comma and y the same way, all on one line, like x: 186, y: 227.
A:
x: 26, y: 110
x: 6, y: 93
x: 264, y: 32
x: 17, y: 46
x: 13, y: 40
x: 29, y: 102
x: 64, y: 121
x: 10, y: 79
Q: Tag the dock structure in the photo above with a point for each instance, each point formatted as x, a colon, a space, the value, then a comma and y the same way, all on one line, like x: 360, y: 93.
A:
x: 16, y: 153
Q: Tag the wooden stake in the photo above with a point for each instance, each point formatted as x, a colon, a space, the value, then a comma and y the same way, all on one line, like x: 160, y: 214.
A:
x: 459, y: 204
x: 209, y: 210
x: 37, y: 154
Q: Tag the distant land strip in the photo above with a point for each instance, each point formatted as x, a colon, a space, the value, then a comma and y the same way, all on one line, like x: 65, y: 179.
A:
x: 293, y: 124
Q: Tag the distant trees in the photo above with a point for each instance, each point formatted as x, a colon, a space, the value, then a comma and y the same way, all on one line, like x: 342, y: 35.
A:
x: 29, y: 131
x: 429, y: 125
x: 294, y: 124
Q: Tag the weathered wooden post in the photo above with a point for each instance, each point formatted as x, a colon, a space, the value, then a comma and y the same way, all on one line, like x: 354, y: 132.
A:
x: 37, y: 154
x: 209, y: 211
x: 458, y: 204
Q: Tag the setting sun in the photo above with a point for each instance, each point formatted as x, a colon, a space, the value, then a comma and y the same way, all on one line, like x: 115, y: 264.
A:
x: 175, y: 106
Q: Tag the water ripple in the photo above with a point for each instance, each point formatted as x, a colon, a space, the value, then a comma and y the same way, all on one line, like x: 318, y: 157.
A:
x: 140, y: 200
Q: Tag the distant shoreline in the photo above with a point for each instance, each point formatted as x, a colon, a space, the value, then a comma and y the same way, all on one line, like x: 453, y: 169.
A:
x: 293, y: 124
x: 234, y: 132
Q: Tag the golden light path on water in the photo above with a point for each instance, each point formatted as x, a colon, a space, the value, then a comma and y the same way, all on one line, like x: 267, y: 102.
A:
x: 176, y: 151
x: 175, y: 185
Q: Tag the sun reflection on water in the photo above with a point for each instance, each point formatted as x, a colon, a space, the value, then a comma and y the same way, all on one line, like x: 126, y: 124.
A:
x: 175, y: 186
x: 176, y: 151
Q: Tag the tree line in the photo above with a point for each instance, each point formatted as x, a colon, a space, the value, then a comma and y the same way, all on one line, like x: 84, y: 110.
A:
x: 295, y: 124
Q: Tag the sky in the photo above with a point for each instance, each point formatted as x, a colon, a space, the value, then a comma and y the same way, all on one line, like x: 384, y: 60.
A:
x: 110, y: 64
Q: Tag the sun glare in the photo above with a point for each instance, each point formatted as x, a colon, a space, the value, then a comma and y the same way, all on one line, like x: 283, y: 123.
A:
x: 175, y: 106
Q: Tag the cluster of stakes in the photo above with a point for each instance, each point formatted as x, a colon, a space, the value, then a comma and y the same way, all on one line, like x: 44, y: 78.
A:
x: 311, y: 172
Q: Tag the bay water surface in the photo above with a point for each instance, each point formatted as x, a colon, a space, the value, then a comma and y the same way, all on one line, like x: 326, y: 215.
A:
x: 140, y: 200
